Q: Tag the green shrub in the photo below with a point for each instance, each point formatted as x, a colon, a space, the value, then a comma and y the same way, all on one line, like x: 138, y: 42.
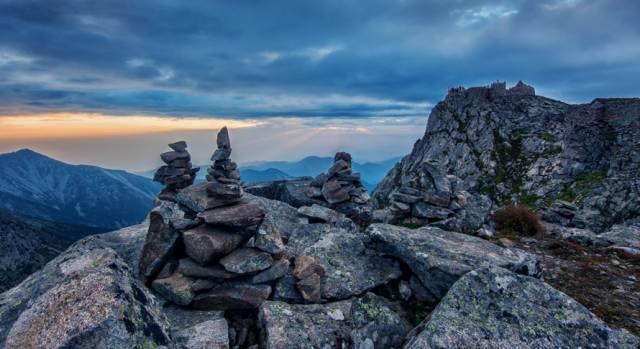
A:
x: 514, y: 220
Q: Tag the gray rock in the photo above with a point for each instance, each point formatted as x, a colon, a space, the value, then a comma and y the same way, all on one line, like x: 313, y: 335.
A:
x: 161, y: 241
x: 439, y: 258
x: 310, y: 288
x: 171, y: 156
x: 349, y: 323
x: 246, y: 260
x: 268, y: 239
x: 222, y: 139
x: 180, y: 146
x: 350, y: 267
x: 176, y: 288
x: 622, y: 236
x: 285, y: 290
x: 189, y: 267
x: 276, y: 271
x: 195, y: 198
x: 85, y: 297
x: 242, y: 215
x: 425, y: 210
x: 230, y: 192
x: 205, y: 244
x: 210, y: 334
x: 494, y: 308
x: 333, y: 192
x: 233, y: 296
x: 317, y: 212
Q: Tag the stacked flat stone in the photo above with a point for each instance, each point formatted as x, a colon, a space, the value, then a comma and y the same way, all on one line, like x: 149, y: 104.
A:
x: 213, y: 251
x: 341, y: 189
x: 178, y: 173
x: 340, y: 184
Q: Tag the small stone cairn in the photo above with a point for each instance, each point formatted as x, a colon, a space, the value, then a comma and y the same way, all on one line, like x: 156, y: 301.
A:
x: 178, y: 172
x: 213, y: 251
x: 342, y: 190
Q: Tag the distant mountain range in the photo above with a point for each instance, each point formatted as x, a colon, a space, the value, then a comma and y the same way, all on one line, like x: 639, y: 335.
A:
x: 371, y: 172
x: 37, y: 186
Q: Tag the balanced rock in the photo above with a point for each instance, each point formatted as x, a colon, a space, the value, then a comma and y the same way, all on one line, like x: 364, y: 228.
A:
x: 178, y: 173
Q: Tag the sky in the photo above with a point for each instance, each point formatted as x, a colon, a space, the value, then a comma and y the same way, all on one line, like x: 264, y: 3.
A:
x: 112, y: 82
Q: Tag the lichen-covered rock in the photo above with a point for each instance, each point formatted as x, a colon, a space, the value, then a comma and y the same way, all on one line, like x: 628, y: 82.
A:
x: 246, y: 260
x: 176, y: 288
x: 369, y: 320
x: 438, y: 258
x: 86, y: 297
x: 492, y: 307
x: 350, y: 267
x: 198, y: 329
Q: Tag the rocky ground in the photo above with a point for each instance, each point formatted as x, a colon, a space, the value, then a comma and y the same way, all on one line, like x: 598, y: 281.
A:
x: 606, y: 282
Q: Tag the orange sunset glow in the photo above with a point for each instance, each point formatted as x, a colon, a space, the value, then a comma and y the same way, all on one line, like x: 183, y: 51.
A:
x: 83, y: 125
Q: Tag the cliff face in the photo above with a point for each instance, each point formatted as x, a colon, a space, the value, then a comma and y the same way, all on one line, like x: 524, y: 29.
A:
x: 518, y: 147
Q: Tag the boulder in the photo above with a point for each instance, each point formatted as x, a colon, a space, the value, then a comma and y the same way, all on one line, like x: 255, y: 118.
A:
x: 246, y: 260
x: 365, y: 322
x: 439, y: 258
x: 350, y: 267
x: 87, y: 297
x: 492, y: 307
x: 242, y: 215
x: 205, y: 244
x: 160, y: 242
x: 232, y: 296
x: 176, y: 288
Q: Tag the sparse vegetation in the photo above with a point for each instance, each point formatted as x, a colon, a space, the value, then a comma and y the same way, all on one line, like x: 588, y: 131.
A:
x: 514, y: 220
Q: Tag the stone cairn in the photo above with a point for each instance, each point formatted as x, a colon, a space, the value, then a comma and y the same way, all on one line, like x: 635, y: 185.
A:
x: 178, y: 172
x: 212, y: 250
x: 341, y: 189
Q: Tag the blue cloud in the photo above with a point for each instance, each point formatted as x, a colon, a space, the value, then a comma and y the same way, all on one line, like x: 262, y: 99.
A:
x: 314, y: 58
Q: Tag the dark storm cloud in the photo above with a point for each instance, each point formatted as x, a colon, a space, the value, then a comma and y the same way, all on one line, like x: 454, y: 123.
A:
x: 310, y: 58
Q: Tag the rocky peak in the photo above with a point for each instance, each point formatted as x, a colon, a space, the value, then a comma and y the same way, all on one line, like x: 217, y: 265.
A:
x: 529, y: 150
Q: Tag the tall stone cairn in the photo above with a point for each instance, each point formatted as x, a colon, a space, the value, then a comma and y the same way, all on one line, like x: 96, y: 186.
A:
x: 178, y: 173
x: 213, y: 251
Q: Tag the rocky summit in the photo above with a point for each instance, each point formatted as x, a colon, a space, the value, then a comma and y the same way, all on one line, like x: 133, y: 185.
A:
x: 485, y: 147
x: 309, y: 263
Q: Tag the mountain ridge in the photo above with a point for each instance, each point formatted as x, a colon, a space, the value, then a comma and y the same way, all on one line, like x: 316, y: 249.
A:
x: 77, y: 194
